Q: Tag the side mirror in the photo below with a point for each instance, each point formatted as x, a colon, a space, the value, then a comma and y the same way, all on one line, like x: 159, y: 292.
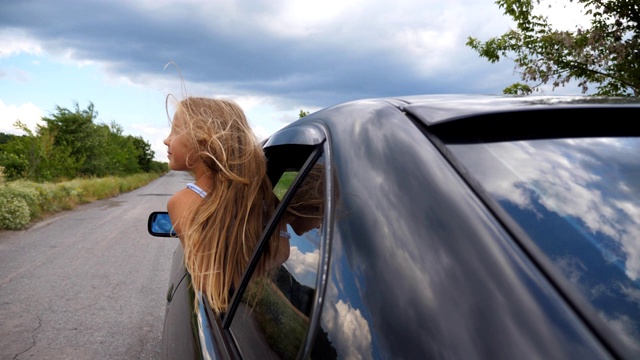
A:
x: 159, y: 224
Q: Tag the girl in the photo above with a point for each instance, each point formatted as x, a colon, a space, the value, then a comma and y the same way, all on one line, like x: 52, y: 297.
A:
x: 220, y: 217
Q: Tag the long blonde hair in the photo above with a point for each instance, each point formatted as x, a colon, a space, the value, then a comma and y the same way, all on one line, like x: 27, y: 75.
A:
x: 222, y: 231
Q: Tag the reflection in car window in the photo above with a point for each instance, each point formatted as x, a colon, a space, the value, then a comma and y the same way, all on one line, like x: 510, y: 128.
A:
x: 283, y: 184
x: 579, y: 200
x: 345, y: 331
x: 273, y: 318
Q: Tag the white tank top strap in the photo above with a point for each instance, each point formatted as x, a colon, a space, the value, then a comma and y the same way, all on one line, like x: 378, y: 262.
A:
x: 197, y: 189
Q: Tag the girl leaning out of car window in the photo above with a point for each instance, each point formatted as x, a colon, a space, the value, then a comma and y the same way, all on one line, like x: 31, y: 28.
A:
x: 220, y: 216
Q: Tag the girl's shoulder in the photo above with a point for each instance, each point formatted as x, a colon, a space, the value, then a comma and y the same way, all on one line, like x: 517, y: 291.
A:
x: 179, y: 204
x: 183, y: 198
x: 181, y: 201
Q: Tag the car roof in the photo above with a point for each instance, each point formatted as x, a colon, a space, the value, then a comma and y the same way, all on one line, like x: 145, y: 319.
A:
x: 435, y: 109
x: 458, y: 117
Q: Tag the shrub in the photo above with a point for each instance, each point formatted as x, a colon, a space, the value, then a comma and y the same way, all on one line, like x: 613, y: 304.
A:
x: 27, y: 191
x: 14, y: 211
x: 24, y: 201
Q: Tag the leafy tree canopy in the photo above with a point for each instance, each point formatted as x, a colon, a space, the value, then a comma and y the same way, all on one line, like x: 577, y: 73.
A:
x: 303, y: 113
x: 71, y: 144
x: 4, y: 138
x: 606, y: 54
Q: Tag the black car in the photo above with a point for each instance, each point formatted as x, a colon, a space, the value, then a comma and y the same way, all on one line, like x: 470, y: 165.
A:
x: 443, y: 227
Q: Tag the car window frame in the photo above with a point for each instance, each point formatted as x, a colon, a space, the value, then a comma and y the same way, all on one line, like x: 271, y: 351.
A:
x: 315, y: 136
x: 266, y: 234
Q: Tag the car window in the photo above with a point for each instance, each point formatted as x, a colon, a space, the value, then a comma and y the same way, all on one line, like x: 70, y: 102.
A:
x: 579, y: 201
x: 273, y: 316
x: 284, y: 183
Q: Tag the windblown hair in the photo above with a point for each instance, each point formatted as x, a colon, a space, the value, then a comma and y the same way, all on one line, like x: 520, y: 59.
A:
x: 308, y: 201
x: 222, y: 232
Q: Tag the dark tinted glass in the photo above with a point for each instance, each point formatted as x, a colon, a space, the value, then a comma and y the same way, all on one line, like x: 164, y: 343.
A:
x: 273, y: 318
x: 579, y: 201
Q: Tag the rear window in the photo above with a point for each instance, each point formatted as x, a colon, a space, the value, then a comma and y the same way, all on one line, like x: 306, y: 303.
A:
x: 579, y: 201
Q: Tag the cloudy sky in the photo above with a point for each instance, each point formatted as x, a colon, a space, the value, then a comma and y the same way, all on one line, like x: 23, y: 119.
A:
x: 272, y: 57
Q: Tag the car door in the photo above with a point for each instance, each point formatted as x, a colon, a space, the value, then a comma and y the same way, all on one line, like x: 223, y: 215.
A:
x: 179, y: 338
x: 274, y: 318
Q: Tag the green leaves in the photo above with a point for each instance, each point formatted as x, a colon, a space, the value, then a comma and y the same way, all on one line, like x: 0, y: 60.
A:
x: 71, y: 144
x: 603, y: 56
x: 518, y: 89
x: 303, y: 113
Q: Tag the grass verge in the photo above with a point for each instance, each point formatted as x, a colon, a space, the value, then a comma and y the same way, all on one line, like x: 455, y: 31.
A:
x: 22, y: 202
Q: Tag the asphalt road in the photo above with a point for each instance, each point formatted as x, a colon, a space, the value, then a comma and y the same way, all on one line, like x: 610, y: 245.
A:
x: 89, y: 283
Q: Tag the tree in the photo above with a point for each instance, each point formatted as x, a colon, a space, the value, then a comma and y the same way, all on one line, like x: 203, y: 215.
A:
x: 144, y: 152
x: 33, y: 156
x: 69, y: 144
x: 75, y: 132
x: 303, y: 113
x: 4, y: 138
x: 605, y: 54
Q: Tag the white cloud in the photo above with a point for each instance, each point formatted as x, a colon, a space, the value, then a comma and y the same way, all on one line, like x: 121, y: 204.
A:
x: 300, y: 19
x: 564, y: 15
x: 274, y: 58
x: 348, y: 331
x: 15, y: 42
x: 303, y: 266
x: 625, y: 329
x: 566, y: 183
x: 260, y: 132
x: 156, y: 134
x: 28, y: 114
x: 316, y: 53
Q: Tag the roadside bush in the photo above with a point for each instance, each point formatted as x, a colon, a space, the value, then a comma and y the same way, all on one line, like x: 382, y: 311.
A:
x: 14, y: 211
x: 22, y: 202
x: 28, y: 192
x: 13, y: 167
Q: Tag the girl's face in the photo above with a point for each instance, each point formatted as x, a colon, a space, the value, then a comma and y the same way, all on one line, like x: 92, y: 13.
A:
x: 178, y: 145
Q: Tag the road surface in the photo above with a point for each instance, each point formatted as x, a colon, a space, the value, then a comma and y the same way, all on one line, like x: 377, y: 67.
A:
x: 89, y: 283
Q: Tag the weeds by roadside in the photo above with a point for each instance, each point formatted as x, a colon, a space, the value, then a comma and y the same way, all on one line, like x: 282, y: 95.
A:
x: 22, y: 202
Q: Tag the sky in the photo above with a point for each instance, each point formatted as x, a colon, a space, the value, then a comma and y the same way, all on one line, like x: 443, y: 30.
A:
x: 274, y: 58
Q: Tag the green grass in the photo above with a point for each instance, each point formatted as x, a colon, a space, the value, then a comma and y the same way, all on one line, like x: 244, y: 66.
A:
x: 22, y: 202
x: 283, y: 327
x: 283, y: 184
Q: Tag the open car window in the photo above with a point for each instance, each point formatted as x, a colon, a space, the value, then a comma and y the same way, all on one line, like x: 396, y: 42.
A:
x: 273, y: 315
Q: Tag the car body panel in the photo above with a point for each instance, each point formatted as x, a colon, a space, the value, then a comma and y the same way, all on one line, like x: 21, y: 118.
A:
x: 188, y: 332
x: 457, y: 288
x: 179, y: 338
x: 416, y: 262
